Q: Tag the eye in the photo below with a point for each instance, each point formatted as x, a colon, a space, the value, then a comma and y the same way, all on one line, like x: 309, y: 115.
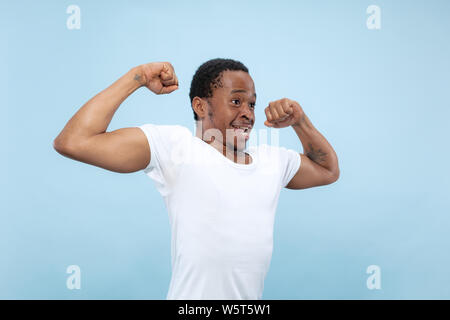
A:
x: 251, y: 105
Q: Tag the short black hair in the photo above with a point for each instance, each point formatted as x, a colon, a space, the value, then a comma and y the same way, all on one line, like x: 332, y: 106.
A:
x: 208, y: 76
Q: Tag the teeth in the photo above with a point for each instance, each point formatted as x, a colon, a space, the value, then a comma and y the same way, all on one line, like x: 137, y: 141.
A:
x: 243, y: 128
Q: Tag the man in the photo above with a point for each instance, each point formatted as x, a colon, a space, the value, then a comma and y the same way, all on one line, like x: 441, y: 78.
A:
x: 221, y: 196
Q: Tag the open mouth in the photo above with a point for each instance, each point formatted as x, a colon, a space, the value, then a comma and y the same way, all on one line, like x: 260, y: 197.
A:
x: 246, y: 129
x: 242, y: 131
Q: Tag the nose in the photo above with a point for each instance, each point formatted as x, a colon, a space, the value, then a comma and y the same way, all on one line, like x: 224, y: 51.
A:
x: 247, y: 111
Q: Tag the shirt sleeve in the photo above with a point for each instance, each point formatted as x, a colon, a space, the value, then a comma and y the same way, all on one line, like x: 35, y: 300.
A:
x: 290, y: 164
x: 168, y: 144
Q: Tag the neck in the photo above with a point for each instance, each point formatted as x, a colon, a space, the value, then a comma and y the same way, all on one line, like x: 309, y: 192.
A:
x: 238, y: 156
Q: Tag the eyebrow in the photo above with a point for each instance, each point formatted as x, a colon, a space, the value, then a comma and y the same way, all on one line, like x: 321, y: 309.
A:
x: 240, y: 90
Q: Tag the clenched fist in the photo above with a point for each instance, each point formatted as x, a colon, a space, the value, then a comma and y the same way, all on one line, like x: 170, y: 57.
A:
x: 282, y: 113
x: 158, y: 77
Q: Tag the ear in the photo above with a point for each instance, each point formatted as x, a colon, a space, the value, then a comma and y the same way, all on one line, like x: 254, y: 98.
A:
x: 200, y: 107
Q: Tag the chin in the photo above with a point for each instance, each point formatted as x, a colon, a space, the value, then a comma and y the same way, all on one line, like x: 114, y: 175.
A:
x: 237, y: 147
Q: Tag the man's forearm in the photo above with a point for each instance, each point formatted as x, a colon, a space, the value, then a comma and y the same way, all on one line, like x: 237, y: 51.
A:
x: 94, y: 117
x: 315, y: 146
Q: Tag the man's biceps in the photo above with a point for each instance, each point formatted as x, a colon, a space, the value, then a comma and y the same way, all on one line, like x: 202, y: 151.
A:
x: 309, y: 174
x: 121, y: 150
x: 131, y: 143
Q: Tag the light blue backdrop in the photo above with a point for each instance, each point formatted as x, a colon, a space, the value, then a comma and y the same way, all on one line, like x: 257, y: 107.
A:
x: 380, y: 97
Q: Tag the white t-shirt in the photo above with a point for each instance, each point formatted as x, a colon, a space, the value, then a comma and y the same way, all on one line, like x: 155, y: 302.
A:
x: 221, y: 213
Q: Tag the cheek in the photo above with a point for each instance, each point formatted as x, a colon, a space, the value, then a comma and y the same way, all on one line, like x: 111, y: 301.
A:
x: 233, y: 114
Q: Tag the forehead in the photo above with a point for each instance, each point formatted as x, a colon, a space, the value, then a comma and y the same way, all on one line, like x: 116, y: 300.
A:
x: 232, y: 80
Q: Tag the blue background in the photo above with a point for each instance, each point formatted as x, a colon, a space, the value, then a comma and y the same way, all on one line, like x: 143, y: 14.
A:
x: 380, y: 97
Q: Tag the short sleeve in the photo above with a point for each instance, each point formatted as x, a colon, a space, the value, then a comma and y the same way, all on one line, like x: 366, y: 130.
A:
x: 290, y: 163
x: 168, y: 144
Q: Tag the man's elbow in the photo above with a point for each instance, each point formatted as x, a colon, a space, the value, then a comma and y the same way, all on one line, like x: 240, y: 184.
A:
x: 333, y: 176
x: 64, y: 147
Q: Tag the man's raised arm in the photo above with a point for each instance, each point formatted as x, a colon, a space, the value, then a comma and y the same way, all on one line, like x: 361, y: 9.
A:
x: 319, y: 166
x: 84, y: 138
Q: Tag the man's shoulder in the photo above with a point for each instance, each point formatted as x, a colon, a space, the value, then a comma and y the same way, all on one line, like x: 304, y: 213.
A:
x: 168, y: 130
